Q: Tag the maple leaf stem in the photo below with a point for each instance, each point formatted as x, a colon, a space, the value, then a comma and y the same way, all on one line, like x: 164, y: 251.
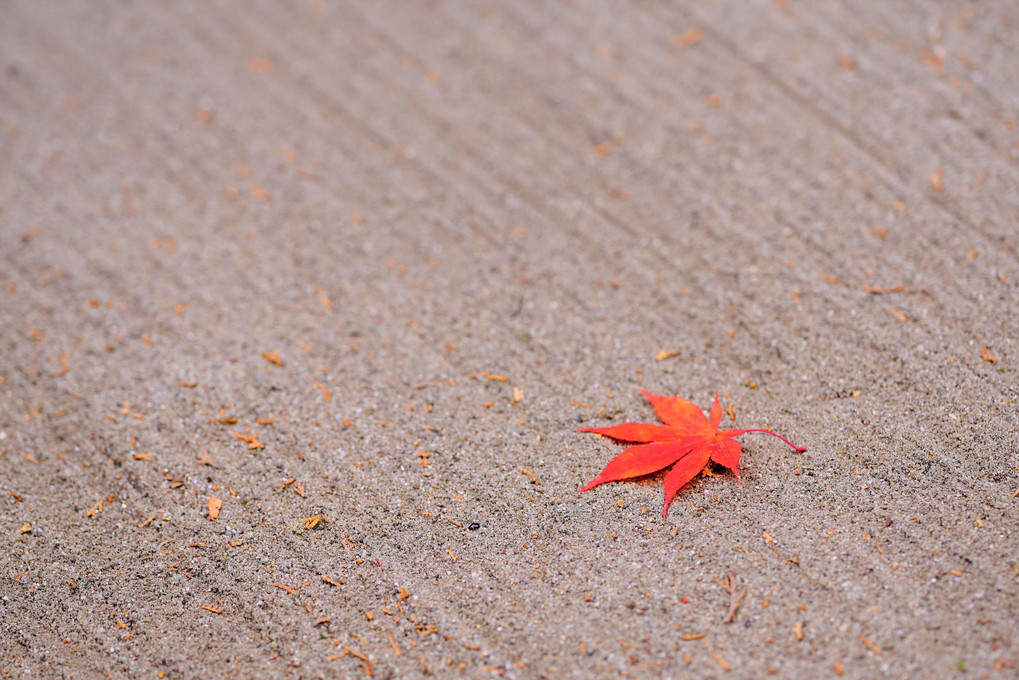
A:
x: 798, y: 448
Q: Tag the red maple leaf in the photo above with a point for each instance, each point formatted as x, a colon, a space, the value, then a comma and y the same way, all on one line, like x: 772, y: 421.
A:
x: 687, y: 439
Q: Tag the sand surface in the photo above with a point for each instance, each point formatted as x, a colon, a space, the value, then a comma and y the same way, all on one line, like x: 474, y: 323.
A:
x: 358, y: 270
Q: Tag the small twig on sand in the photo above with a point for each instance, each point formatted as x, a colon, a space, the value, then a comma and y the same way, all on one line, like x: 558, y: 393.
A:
x: 729, y: 586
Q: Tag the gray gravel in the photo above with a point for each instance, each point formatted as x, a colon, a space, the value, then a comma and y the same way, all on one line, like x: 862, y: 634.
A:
x: 376, y: 262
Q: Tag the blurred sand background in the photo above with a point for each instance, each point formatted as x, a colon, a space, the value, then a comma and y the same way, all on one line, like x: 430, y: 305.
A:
x: 358, y: 270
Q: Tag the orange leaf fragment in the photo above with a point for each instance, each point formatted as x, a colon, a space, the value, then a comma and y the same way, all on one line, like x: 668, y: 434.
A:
x: 713, y: 100
x: 324, y: 300
x: 665, y: 354
x: 688, y: 38
x: 64, y: 368
x: 496, y: 378
x: 870, y: 645
x: 250, y: 440
x: 261, y: 65
x: 326, y: 394
x: 935, y: 178
x: 311, y: 522
x: 687, y: 441
x: 721, y: 661
x: 273, y: 358
x: 215, y: 505
x: 876, y: 290
x: 525, y: 471
x: 210, y: 608
x: 986, y: 355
